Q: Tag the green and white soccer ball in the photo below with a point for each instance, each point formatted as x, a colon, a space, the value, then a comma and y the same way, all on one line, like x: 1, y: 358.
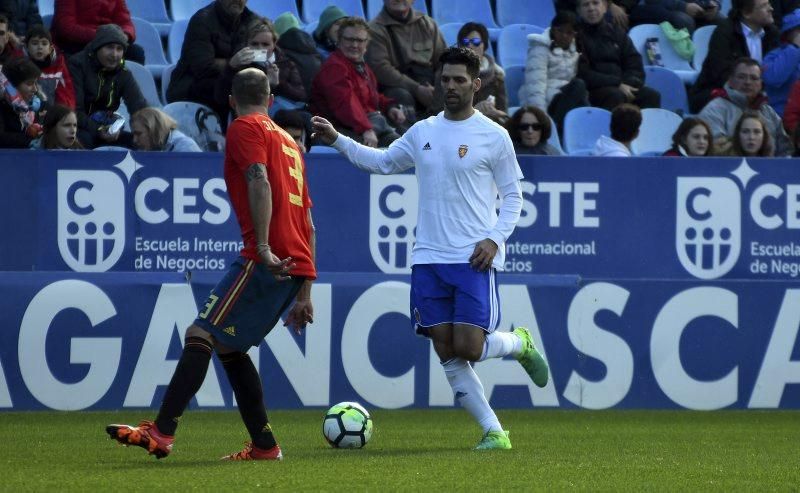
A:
x: 347, y: 425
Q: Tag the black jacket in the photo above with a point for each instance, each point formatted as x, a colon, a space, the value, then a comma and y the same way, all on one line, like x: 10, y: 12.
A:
x: 210, y: 35
x: 298, y: 46
x: 608, y: 57
x: 22, y: 14
x: 101, y: 90
x: 726, y: 45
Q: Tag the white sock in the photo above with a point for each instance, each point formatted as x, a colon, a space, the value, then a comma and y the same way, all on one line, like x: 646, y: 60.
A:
x: 469, y: 392
x: 499, y: 344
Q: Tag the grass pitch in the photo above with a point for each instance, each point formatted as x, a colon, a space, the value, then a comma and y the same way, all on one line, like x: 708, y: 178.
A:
x: 416, y: 449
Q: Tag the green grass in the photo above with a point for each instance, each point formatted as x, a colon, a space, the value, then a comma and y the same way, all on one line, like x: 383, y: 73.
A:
x: 419, y: 450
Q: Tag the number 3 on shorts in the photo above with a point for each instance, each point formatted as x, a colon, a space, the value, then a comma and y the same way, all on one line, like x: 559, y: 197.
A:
x: 210, y: 302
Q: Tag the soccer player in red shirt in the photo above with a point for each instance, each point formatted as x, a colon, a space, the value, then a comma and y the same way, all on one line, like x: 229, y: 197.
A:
x: 265, y: 177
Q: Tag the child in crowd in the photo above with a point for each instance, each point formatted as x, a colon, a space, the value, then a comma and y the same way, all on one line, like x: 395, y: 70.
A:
x: 55, y: 82
x: 60, y: 130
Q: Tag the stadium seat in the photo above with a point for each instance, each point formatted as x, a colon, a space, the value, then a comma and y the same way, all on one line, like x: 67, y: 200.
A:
x: 198, y: 122
x: 313, y: 8
x: 273, y: 8
x: 112, y: 148
x: 154, y: 12
x: 640, y: 34
x: 375, y: 6
x: 582, y: 127
x: 149, y: 39
x: 655, y: 134
x: 185, y: 9
x: 175, y: 40
x: 146, y: 83
x: 701, y: 39
x: 310, y: 27
x: 512, y: 44
x: 166, y: 76
x: 46, y: 7
x: 671, y: 87
x: 515, y: 76
x: 554, y: 140
x: 725, y: 7
x: 459, y: 11
x: 522, y: 12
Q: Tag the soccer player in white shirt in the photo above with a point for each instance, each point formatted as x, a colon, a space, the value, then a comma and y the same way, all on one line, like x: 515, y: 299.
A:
x: 462, y: 160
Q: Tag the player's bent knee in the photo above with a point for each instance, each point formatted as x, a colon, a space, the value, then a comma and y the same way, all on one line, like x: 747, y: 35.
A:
x: 467, y: 351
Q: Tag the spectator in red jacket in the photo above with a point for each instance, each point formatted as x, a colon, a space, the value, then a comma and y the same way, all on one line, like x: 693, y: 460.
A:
x: 55, y: 82
x: 345, y: 91
x: 791, y: 112
x: 9, y: 48
x: 75, y: 24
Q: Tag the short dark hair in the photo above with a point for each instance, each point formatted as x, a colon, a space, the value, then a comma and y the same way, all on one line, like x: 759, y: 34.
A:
x: 625, y: 121
x: 289, y: 119
x: 563, y: 18
x: 741, y: 7
x: 766, y: 149
x: 4, y: 19
x: 686, y: 126
x: 19, y: 70
x: 38, y: 31
x: 473, y: 26
x: 746, y: 61
x: 250, y: 87
x: 513, y: 123
x: 457, y: 55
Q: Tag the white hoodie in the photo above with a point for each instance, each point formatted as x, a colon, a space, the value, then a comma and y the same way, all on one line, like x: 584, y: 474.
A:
x: 608, y: 147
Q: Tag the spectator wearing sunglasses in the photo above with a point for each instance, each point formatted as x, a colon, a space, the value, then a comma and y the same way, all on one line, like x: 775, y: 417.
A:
x: 551, y: 70
x: 491, y: 98
x: 529, y: 128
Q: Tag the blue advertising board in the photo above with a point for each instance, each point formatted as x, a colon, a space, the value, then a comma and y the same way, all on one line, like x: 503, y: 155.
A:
x: 648, y: 282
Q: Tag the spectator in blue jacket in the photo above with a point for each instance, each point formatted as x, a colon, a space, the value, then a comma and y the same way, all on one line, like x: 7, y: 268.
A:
x: 782, y: 65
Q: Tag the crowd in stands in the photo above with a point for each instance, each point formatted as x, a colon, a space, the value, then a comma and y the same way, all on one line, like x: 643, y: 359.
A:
x: 71, y: 80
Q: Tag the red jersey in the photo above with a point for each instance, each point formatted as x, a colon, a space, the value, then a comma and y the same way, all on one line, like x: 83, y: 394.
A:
x: 255, y: 138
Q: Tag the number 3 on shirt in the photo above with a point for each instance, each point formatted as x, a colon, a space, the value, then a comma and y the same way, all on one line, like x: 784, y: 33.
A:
x: 296, y: 171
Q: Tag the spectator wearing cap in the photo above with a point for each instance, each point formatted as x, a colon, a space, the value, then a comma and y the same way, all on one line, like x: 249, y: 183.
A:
x: 20, y: 107
x: 101, y: 82
x: 75, y: 24
x: 22, y: 15
x: 327, y: 32
x: 297, y: 46
x: 782, y: 65
x: 55, y: 82
x: 215, y: 36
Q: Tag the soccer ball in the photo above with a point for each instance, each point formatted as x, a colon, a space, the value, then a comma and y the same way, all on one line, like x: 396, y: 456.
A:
x: 347, y: 425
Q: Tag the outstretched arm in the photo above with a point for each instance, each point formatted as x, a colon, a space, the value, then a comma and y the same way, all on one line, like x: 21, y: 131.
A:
x: 396, y: 158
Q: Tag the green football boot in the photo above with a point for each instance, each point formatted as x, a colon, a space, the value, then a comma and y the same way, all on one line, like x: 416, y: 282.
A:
x: 494, y: 440
x: 531, y: 359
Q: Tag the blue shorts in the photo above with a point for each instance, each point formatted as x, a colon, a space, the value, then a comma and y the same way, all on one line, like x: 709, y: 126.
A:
x: 453, y: 293
x: 246, y: 304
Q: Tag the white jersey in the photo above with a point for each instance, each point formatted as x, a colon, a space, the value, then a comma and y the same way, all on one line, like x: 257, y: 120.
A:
x: 460, y: 165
